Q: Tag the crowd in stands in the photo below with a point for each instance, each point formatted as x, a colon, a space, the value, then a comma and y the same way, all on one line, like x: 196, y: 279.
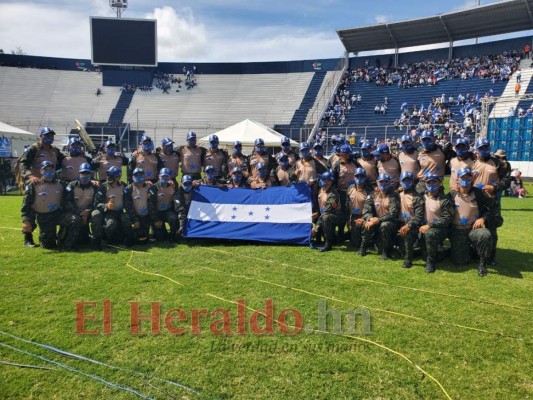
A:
x: 429, y: 72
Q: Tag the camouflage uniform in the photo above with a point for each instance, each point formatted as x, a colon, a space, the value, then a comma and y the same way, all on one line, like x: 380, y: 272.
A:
x: 468, y: 208
x: 44, y: 202
x: 140, y: 203
x: 438, y: 215
x: 355, y: 201
x: 80, y: 199
x: 165, y: 211
x: 386, y: 207
x: 110, y: 223
x: 182, y: 202
x: 330, y: 214
x: 412, y: 215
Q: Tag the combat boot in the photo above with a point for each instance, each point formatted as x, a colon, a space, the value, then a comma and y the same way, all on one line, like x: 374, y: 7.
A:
x: 28, y: 240
x: 482, y: 268
x: 327, y: 247
x: 362, y: 249
x: 430, y: 265
x: 407, y: 264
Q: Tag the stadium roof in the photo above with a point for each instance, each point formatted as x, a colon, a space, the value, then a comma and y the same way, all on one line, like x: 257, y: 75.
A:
x: 493, y: 19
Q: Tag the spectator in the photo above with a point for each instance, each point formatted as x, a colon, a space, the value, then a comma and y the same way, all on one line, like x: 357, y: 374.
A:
x: 517, y: 186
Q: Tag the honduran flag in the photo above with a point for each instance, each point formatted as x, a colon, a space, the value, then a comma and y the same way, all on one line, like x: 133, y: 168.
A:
x: 277, y: 214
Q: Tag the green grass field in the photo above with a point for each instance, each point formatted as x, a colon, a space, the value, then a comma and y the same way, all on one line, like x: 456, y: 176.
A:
x: 446, y: 335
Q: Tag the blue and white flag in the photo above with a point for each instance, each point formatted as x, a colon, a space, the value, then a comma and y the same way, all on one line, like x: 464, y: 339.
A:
x: 422, y: 107
x: 404, y: 104
x: 277, y: 214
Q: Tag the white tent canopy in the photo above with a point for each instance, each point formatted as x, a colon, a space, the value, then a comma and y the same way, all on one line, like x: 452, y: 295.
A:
x: 246, y: 132
x: 13, y: 140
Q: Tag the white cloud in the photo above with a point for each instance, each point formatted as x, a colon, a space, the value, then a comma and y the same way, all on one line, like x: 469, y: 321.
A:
x: 179, y: 36
x: 381, y: 19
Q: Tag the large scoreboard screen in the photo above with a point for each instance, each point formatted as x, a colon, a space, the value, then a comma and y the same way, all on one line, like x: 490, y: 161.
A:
x: 122, y: 41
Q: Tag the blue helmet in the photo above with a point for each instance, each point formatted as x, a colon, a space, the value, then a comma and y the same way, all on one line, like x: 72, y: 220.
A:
x: 145, y: 138
x: 285, y: 140
x: 406, y: 175
x: 345, y: 149
x: 427, y: 134
x: 138, y: 171
x: 166, y: 141
x: 259, y: 142
x: 318, y: 145
x: 165, y: 172
x: 461, y: 141
x: 360, y: 171
x: 406, y: 138
x: 114, y: 172
x: 85, y: 167
x: 209, y: 168
x: 383, y: 178
x: 463, y: 171
x: 186, y: 178
x: 213, y: 140
x: 481, y: 143
x: 381, y: 149
x: 46, y: 130
x: 260, y: 165
x: 45, y: 164
x: 73, y: 140
x: 366, y: 146
x: 191, y: 135
x: 109, y: 143
x: 283, y: 157
x: 433, y: 177
x: 304, y: 146
x: 236, y: 170
x: 327, y: 176
x: 237, y: 143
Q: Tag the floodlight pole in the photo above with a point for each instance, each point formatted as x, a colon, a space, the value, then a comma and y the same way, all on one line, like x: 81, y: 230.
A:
x: 118, y: 6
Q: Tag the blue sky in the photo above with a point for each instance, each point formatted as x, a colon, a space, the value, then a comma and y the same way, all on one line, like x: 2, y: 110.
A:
x: 210, y: 30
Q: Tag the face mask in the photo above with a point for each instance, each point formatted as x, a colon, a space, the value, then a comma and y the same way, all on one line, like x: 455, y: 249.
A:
x: 148, y: 147
x: 432, y: 188
x: 465, y: 183
x: 85, y: 180
x: 427, y: 144
x: 213, y: 145
x: 484, y: 153
x: 169, y: 148
x: 110, y: 152
x: 407, y: 148
x: 49, y: 174
x: 262, y: 173
x: 285, y: 165
x: 187, y: 187
x: 359, y: 181
x: 285, y: 147
x: 319, y: 153
x: 75, y: 151
x: 259, y: 149
x: 210, y: 176
x: 237, y: 151
x: 366, y: 154
x: 322, y: 183
x: 407, y: 185
x: 461, y: 151
x: 379, y: 157
x: 305, y: 154
x: 191, y: 142
x: 138, y: 179
x: 164, y: 181
x: 383, y: 186
x: 48, y: 139
x: 236, y: 178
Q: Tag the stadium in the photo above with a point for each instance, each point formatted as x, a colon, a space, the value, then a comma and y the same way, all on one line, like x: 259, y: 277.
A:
x: 241, y: 314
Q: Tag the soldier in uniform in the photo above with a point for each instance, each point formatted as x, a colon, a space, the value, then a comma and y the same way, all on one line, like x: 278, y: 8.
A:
x: 108, y: 159
x: 437, y: 219
x: 330, y: 213
x: 388, y: 164
x: 217, y: 158
x: 210, y: 177
x: 30, y: 166
x: 262, y: 180
x: 146, y: 159
x: 192, y: 157
x: 260, y: 155
x: 140, y: 203
x: 165, y: 190
x: 473, y: 208
x: 409, y: 156
x: 493, y: 177
x: 286, y: 149
x: 70, y: 165
x: 108, y: 218
x: 368, y: 162
x: 182, y: 202
x: 169, y: 157
x: 43, y: 202
x: 344, y: 176
x: 236, y: 179
x: 411, y: 216
x: 336, y: 154
x: 80, y: 201
x: 237, y: 159
x: 380, y: 212
x: 463, y: 159
x: 432, y: 160
x: 355, y: 198
x: 283, y: 173
x: 318, y: 155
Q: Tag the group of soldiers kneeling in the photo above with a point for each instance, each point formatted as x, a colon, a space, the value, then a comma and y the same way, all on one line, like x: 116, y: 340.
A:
x: 384, y: 200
